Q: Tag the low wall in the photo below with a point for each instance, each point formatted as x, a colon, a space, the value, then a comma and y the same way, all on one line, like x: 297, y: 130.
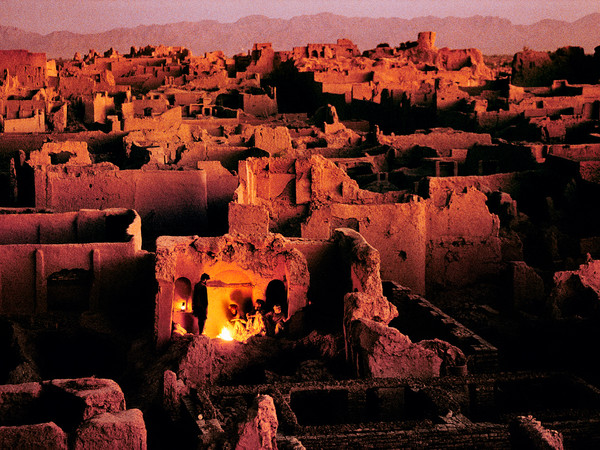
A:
x: 173, y: 202
x: 420, y: 319
x: 59, y: 266
x: 391, y: 413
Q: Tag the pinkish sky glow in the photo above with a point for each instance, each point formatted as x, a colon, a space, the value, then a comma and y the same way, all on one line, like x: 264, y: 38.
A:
x: 90, y: 16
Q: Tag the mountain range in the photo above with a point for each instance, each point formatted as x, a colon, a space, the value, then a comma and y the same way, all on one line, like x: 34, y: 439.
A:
x: 492, y: 35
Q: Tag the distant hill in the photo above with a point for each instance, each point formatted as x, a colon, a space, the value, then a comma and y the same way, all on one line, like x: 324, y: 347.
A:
x: 492, y: 35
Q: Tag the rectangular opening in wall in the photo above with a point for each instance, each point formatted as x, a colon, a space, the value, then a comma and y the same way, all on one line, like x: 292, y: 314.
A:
x: 320, y: 406
x: 385, y: 404
x: 69, y: 290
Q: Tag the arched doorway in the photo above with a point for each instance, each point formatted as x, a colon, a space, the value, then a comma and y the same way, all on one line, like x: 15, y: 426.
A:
x: 182, y: 305
x: 225, y: 288
x: 182, y: 294
x: 276, y: 293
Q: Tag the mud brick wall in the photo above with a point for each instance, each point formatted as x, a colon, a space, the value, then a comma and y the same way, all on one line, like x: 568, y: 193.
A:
x: 429, y: 322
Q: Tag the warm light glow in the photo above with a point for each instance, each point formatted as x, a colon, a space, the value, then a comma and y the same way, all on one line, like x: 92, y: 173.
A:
x: 225, y: 334
x: 183, y: 306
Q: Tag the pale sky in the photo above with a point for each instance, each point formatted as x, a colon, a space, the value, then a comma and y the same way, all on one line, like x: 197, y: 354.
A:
x: 90, y: 16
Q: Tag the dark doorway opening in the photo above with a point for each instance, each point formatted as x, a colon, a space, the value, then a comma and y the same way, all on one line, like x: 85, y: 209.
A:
x: 276, y: 294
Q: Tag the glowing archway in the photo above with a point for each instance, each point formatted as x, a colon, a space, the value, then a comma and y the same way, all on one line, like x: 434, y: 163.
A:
x: 225, y: 288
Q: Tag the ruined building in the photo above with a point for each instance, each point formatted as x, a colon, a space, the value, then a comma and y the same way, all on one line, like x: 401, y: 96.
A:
x: 315, y: 247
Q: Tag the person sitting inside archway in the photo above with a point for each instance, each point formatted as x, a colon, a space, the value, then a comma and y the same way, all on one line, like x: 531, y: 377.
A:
x: 276, y: 321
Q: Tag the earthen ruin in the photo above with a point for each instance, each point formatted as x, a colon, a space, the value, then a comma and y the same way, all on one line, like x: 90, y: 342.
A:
x: 307, y: 248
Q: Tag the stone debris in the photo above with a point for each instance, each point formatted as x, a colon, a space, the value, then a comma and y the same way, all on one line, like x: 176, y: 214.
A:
x: 260, y: 429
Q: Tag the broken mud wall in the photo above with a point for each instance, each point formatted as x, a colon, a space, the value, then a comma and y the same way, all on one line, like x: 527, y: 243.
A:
x: 204, y: 152
x: 363, y: 262
x: 29, y: 68
x: 35, y: 124
x: 532, y: 68
x: 528, y: 188
x: 463, y: 241
x: 576, y: 293
x: 240, y: 269
x: 98, y: 107
x: 273, y: 140
x: 398, y: 231
x: 71, y: 262
x: 156, y: 106
x: 372, y: 348
x: 259, y: 105
x: 413, y: 238
x: 172, y: 202
x: 288, y: 187
x: 441, y: 139
x: 279, y: 185
x: 109, y: 225
x: 166, y: 120
x: 71, y: 152
x: 420, y: 243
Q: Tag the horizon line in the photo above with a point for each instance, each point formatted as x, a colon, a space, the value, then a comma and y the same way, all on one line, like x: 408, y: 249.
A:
x: 328, y: 13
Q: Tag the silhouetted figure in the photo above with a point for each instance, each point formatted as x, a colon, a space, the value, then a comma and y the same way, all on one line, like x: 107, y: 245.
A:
x: 256, y: 320
x: 276, y: 321
x: 200, y: 302
x: 238, y: 324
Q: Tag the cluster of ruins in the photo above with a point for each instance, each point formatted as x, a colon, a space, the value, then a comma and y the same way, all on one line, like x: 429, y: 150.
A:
x: 418, y: 230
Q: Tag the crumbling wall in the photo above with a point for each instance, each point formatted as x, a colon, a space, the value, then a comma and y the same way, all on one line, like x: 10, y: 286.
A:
x: 272, y: 140
x: 259, y: 105
x: 398, y: 231
x: 420, y: 243
x: 164, y: 121
x: 441, y: 139
x: 29, y: 68
x: 363, y: 262
x: 35, y: 124
x: 57, y: 117
x: 98, y: 107
x: 372, y: 348
x: 576, y: 292
x: 463, y: 241
x: 156, y: 106
x: 381, y: 352
x: 68, y: 152
x: 73, y: 261
x: 532, y: 68
x: 167, y: 201
x: 450, y: 238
